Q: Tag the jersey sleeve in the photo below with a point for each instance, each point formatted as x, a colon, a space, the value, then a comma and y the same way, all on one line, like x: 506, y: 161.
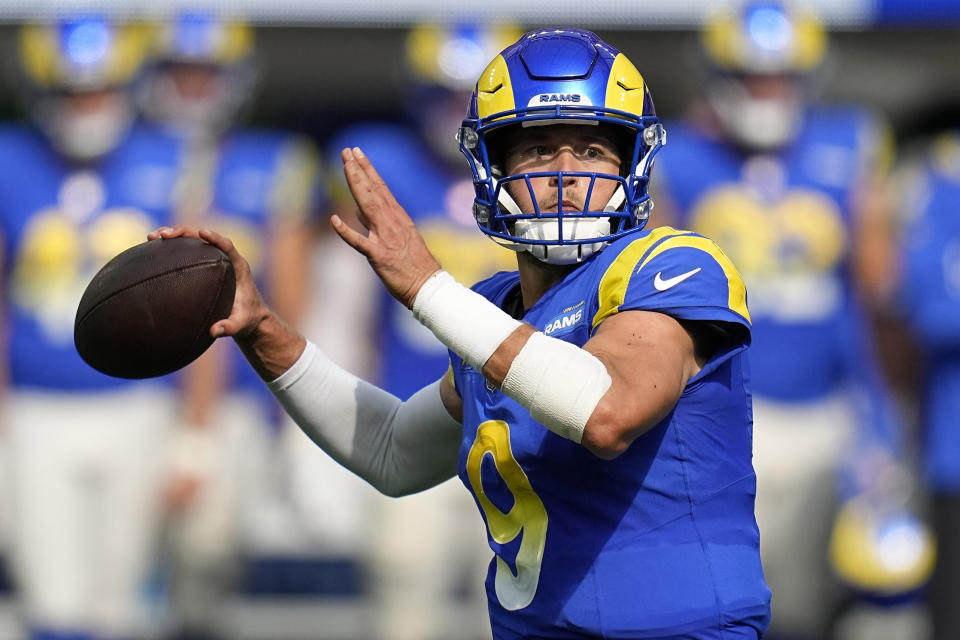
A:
x: 678, y: 273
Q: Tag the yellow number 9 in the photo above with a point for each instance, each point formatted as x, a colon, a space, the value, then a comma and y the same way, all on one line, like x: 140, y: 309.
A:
x: 526, y: 517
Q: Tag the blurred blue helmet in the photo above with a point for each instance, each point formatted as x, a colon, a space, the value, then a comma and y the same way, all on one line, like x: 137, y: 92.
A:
x: 882, y: 551
x: 560, y: 76
x: 202, y: 72
x: 443, y: 62
x: 761, y: 59
x: 77, y: 74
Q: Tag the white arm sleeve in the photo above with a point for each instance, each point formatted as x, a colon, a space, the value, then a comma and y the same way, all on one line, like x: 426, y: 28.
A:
x: 398, y: 447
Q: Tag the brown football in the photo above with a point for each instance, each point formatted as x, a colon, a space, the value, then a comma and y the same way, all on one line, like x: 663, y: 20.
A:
x: 148, y: 311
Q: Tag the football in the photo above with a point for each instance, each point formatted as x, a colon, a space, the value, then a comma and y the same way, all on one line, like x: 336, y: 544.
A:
x: 148, y: 311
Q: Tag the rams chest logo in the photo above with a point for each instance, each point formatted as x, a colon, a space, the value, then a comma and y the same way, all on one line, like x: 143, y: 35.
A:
x: 570, y: 317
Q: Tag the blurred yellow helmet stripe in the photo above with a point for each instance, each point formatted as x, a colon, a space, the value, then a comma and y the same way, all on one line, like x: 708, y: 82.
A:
x: 728, y: 47
x: 43, y: 63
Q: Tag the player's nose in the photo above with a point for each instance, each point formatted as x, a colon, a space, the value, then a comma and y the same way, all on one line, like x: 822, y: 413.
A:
x: 565, y: 161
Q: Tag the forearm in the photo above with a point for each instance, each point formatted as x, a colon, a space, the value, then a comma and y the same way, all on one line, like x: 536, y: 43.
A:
x: 514, y: 356
x: 272, y: 347
x: 398, y: 447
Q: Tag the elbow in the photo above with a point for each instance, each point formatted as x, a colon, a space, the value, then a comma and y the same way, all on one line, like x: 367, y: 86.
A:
x: 604, y: 446
x: 610, y: 432
x: 607, y: 437
x: 391, y: 487
x: 391, y: 491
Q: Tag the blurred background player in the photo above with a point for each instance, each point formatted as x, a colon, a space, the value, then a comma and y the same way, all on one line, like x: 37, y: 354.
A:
x: 928, y: 296
x: 793, y: 192
x: 418, y: 156
x: 262, y: 186
x: 80, y: 183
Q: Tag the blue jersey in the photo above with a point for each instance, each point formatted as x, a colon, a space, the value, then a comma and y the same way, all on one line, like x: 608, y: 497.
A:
x: 439, y: 199
x: 59, y: 224
x: 930, y: 297
x: 786, y: 219
x: 660, y: 541
x: 245, y: 185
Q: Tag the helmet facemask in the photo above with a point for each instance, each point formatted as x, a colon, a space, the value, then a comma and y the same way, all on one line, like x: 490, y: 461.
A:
x: 76, y: 74
x: 755, y: 120
x: 562, y: 226
x: 196, y: 99
x: 84, y: 127
x: 762, y: 65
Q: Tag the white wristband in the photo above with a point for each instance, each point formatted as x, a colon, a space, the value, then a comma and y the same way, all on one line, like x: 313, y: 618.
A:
x: 469, y: 324
x: 560, y: 383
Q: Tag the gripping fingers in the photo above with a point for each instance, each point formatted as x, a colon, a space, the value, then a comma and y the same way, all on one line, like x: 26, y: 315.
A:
x: 220, y: 242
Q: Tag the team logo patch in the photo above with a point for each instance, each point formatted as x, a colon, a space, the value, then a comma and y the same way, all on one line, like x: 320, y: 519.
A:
x: 566, y: 321
x: 547, y: 99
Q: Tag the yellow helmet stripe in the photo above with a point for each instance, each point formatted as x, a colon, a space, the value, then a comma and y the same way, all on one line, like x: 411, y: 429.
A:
x: 494, y: 89
x: 39, y: 54
x: 37, y: 47
x: 624, y: 86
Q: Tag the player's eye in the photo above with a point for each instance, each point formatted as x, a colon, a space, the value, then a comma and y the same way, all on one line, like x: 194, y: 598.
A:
x: 541, y: 150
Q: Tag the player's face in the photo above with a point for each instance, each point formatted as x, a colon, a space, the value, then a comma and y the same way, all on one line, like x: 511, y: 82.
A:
x: 195, y: 81
x: 85, y: 103
x: 770, y: 86
x: 562, y: 147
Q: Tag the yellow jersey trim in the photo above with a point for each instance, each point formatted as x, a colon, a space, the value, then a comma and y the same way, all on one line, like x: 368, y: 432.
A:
x: 613, y: 284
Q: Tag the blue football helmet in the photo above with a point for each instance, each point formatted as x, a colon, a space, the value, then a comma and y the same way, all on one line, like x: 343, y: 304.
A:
x: 202, y: 74
x: 77, y: 73
x: 762, y: 60
x: 443, y: 62
x: 560, y: 76
x: 883, y: 552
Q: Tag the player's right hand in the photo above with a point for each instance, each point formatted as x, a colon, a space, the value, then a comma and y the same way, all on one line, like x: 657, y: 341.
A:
x: 249, y: 309
x: 392, y: 244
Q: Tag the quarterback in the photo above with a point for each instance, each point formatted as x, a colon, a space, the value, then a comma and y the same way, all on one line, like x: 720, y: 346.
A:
x: 597, y: 404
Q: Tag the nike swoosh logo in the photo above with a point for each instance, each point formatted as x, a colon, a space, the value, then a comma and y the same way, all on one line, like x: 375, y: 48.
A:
x: 662, y: 285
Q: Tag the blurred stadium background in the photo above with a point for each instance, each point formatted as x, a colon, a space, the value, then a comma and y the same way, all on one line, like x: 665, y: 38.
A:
x: 327, y: 63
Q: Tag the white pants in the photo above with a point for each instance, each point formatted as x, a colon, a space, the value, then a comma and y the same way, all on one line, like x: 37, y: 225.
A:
x: 85, y: 473
x: 427, y: 548
x: 796, y: 450
x: 207, y: 536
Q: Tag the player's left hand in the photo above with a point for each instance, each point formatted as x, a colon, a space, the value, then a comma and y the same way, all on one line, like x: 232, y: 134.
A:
x: 249, y: 308
x: 392, y: 245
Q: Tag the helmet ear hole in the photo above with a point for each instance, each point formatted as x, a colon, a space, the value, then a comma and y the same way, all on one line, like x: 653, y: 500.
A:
x: 497, y: 142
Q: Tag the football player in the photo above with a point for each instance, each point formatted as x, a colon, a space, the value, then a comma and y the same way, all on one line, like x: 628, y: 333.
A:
x: 788, y: 188
x: 597, y: 405
x: 261, y: 186
x: 80, y: 184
